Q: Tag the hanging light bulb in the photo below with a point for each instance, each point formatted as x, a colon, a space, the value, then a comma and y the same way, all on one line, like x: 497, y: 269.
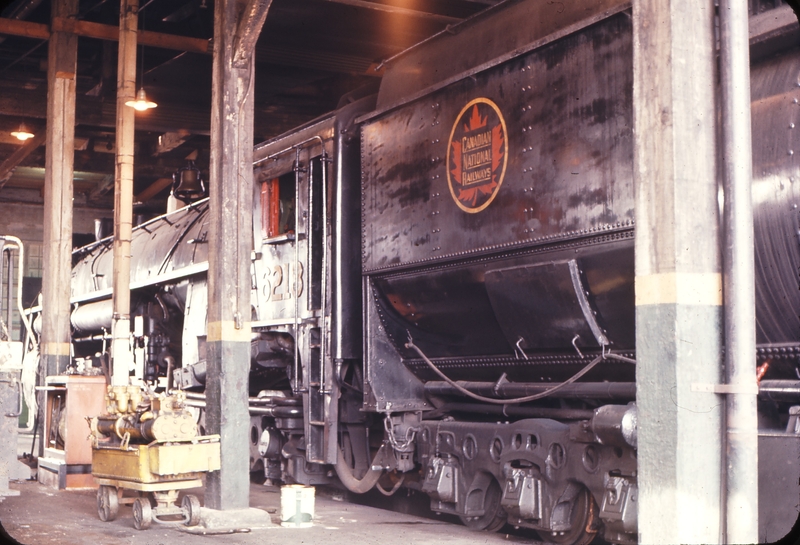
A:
x: 22, y: 133
x: 141, y: 103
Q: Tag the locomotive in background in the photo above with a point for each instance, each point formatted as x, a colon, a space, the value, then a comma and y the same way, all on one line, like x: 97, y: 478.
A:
x: 443, y: 281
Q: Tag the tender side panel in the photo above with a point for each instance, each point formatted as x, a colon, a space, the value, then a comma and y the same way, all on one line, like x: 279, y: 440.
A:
x: 484, y: 39
x: 566, y: 109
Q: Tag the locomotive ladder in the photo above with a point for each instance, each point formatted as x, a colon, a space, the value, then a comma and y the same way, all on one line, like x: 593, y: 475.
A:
x: 320, y: 411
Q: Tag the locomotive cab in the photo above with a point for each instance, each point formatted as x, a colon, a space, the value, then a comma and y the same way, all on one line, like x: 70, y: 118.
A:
x: 291, y: 296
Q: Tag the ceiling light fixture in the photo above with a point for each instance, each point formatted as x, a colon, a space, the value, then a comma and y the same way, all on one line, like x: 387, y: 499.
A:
x: 141, y: 103
x: 22, y: 133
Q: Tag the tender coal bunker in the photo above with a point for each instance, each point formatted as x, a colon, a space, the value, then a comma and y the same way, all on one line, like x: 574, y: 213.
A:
x: 448, y: 314
x: 540, y: 307
x: 509, y: 306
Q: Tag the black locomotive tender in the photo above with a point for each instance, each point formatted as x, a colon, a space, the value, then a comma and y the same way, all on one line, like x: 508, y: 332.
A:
x: 430, y: 261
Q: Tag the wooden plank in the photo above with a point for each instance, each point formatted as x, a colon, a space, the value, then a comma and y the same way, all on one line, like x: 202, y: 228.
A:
x: 111, y: 33
x: 15, y: 27
x: 172, y: 41
x: 153, y: 189
x: 85, y: 28
x: 88, y: 29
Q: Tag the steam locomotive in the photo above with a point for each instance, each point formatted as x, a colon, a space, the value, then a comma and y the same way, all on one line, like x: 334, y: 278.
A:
x: 443, y: 280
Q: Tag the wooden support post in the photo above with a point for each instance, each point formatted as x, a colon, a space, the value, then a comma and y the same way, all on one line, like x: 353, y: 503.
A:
x: 678, y: 272
x: 230, y: 246
x: 59, y: 160
x: 121, y: 353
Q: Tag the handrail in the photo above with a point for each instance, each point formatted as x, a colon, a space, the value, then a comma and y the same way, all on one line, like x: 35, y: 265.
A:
x: 21, y: 260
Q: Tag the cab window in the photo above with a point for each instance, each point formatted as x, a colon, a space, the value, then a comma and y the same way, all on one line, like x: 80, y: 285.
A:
x: 278, y: 206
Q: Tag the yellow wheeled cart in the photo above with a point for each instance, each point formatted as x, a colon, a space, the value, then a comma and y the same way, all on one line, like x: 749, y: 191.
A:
x: 156, y: 472
x: 148, y: 443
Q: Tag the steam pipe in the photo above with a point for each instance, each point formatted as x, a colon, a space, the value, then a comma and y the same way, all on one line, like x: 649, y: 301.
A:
x: 740, y: 440
x: 579, y: 390
x: 282, y: 401
x: 10, y: 285
x: 512, y: 410
x: 780, y: 390
x: 346, y: 264
x: 275, y: 412
x: 21, y: 260
x: 324, y: 281
x: 296, y: 243
x: 357, y: 486
x: 2, y: 253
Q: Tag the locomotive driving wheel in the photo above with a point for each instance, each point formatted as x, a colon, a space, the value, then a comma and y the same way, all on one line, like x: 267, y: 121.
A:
x: 582, y: 518
x: 494, y: 517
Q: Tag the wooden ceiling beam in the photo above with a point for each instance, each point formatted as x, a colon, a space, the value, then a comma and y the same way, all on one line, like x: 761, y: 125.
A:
x: 88, y: 29
x: 152, y: 190
x: 26, y: 29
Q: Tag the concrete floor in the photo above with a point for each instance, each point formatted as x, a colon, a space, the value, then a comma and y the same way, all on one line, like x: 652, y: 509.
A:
x: 45, y: 516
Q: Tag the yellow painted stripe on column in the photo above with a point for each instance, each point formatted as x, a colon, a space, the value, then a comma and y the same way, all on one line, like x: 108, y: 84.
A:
x: 226, y: 331
x: 55, y: 349
x: 679, y: 288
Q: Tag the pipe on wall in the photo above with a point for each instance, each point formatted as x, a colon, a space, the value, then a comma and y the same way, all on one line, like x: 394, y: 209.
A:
x: 740, y: 484
x: 121, y: 354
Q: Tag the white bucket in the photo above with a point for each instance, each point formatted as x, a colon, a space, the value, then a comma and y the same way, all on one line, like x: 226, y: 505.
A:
x: 297, y: 506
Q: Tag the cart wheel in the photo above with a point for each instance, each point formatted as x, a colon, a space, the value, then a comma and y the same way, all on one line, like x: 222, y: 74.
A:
x: 142, y: 514
x: 191, y: 507
x: 107, y: 503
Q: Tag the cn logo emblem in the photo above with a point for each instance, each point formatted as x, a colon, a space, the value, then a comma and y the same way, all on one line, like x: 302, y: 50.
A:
x: 477, y: 154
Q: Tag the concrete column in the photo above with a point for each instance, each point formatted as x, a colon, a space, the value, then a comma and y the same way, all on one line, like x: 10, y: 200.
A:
x: 121, y: 353
x: 62, y: 59
x: 678, y: 274
x: 236, y: 27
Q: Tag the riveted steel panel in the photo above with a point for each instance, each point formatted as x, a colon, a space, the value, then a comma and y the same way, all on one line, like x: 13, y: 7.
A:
x: 566, y: 115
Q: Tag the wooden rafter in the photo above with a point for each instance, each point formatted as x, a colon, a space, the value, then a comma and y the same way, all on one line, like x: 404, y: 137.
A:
x: 88, y: 29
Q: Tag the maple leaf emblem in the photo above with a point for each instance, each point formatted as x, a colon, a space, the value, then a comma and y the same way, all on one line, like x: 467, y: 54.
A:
x: 498, y: 141
x: 475, y: 121
x: 477, y: 153
x: 456, y: 172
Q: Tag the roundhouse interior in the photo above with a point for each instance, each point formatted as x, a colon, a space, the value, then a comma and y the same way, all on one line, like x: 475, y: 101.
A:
x: 532, y: 266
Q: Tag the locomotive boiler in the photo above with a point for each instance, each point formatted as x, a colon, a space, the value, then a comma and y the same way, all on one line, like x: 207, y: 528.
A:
x: 443, y: 280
